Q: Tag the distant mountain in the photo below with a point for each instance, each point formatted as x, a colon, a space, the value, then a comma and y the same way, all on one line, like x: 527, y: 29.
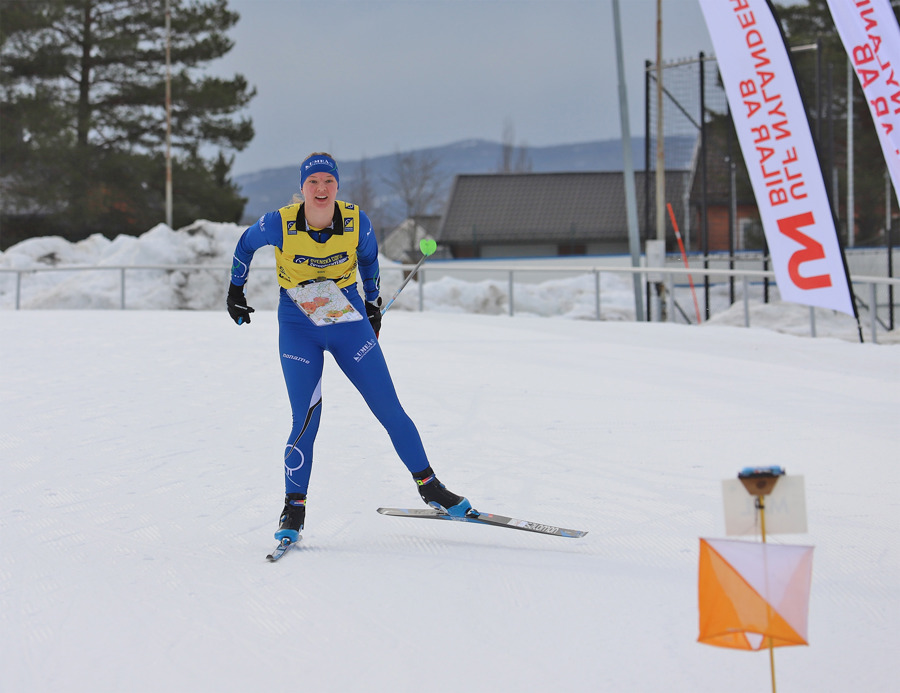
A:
x: 272, y: 188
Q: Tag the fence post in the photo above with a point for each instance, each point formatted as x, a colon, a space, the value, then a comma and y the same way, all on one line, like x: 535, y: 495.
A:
x: 511, y: 309
x: 122, y: 287
x: 421, y: 283
x: 670, y: 298
x: 746, y: 286
x: 18, y: 287
x: 597, y: 292
x: 873, y: 311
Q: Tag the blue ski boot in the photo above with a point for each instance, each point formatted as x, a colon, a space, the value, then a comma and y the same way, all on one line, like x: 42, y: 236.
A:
x: 435, y: 494
x: 292, y: 517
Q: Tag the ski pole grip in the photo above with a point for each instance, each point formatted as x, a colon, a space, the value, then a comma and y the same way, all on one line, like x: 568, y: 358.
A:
x: 427, y: 246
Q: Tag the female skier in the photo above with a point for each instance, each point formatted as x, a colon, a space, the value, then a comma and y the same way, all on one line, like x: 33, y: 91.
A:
x: 319, y: 245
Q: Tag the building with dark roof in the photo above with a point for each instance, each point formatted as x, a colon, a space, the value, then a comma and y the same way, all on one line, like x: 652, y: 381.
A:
x: 731, y: 223
x: 546, y: 214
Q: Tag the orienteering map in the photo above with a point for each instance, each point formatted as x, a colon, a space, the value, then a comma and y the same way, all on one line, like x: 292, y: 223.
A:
x: 323, y: 303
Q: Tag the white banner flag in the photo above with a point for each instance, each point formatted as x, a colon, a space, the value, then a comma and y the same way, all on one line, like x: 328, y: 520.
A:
x: 871, y: 38
x: 778, y: 149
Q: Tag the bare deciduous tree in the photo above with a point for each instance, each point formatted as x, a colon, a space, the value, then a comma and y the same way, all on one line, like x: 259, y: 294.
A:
x: 512, y: 161
x: 361, y: 191
x: 417, y: 181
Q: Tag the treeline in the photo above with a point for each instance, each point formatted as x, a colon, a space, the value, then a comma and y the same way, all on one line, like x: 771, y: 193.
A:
x: 83, y: 124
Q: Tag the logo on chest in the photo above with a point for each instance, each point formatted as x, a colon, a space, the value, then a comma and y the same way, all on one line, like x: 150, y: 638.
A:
x: 321, y: 262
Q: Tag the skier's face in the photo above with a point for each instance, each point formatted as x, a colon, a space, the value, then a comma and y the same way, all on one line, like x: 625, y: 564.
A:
x: 320, y: 190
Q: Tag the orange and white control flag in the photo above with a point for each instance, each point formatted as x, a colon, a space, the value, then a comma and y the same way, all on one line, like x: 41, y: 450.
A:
x: 753, y: 595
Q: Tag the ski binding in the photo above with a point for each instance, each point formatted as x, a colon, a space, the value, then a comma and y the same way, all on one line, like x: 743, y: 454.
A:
x: 280, y: 550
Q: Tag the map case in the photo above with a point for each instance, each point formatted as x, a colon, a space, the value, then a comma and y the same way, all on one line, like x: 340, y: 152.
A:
x: 323, y: 303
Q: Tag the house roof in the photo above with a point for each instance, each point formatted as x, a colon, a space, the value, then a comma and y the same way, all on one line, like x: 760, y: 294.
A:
x: 560, y: 207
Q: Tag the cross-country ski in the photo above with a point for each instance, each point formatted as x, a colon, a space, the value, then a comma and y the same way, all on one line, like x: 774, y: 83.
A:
x: 485, y: 519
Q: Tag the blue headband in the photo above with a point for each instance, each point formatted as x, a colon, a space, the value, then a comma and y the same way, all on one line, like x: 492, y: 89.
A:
x: 318, y: 164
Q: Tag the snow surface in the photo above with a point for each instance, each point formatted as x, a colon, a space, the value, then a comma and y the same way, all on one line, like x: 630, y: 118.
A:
x: 142, y: 479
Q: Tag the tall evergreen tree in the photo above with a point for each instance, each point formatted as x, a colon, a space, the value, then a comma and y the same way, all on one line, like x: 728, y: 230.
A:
x: 83, y: 127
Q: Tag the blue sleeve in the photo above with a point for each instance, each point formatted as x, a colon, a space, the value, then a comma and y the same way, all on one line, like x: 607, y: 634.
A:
x: 266, y: 231
x: 367, y: 257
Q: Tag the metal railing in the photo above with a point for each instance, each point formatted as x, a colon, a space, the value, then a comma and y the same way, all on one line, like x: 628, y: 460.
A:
x: 670, y: 276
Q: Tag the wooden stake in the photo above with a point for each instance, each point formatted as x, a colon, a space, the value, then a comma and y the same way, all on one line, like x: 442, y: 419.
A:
x: 761, y: 504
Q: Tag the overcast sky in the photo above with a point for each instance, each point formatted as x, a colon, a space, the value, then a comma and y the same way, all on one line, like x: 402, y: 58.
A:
x: 362, y: 78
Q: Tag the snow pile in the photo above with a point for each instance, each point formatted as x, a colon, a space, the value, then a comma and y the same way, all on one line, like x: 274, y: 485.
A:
x: 202, y: 243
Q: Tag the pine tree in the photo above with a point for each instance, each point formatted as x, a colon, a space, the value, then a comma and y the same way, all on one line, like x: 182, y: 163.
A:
x: 83, y: 127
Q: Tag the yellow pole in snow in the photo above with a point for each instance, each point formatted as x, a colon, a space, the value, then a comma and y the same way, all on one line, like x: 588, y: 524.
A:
x: 760, y: 482
x: 761, y: 504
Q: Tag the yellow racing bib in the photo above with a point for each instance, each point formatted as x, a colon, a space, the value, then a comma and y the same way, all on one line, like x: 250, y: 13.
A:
x: 302, y: 259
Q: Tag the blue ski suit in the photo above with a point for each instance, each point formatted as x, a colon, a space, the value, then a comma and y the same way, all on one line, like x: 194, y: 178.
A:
x: 335, y: 253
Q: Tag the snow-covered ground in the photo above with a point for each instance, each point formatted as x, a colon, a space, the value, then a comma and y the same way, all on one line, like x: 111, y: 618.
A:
x: 141, y: 480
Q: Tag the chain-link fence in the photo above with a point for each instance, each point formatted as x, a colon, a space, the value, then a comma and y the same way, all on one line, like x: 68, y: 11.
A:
x: 686, y: 109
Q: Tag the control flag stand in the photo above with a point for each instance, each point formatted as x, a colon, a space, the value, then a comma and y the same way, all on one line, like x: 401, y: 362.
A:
x: 757, y: 595
x: 760, y: 483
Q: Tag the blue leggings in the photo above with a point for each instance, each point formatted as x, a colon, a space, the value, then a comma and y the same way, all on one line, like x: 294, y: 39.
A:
x: 356, y: 351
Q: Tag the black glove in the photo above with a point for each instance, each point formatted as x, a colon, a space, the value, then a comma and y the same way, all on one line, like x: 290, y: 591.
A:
x: 237, y: 305
x: 373, y: 311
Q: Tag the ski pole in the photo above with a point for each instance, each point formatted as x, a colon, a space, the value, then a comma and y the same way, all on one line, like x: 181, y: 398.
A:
x: 427, y: 246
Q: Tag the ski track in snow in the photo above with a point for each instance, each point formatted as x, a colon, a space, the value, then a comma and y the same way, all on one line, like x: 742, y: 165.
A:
x: 141, y: 484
